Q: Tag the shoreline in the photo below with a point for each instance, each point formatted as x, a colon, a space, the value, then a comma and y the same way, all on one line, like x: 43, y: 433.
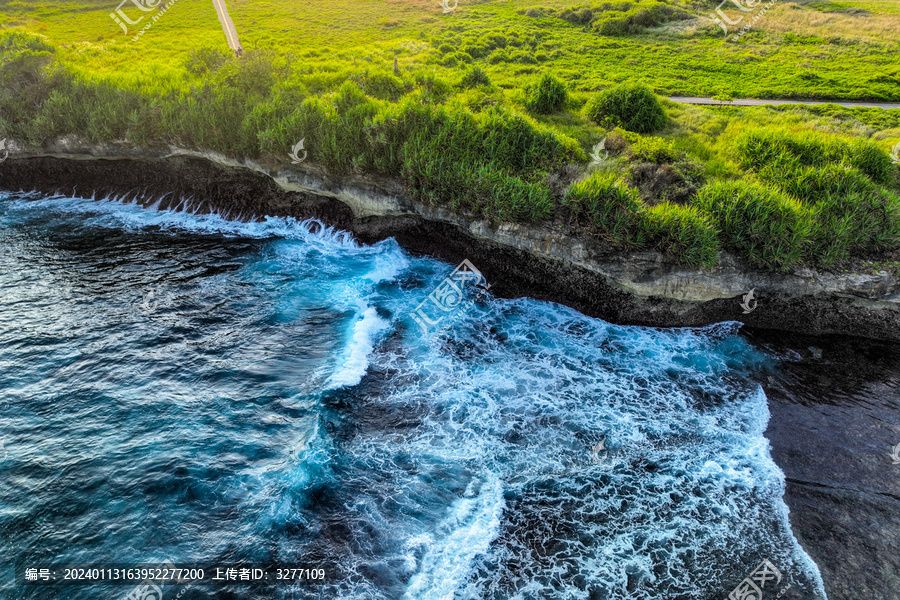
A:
x: 550, y: 262
x: 825, y: 489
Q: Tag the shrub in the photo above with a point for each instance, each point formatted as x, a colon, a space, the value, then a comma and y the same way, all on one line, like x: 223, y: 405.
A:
x: 474, y: 77
x: 581, y: 16
x: 254, y: 75
x: 493, y: 41
x: 335, y: 129
x: 25, y: 82
x: 203, y: 61
x: 682, y: 231
x: 434, y: 89
x: 854, y: 223
x: 850, y: 212
x: 606, y: 206
x: 866, y: 156
x: 654, y: 150
x: 767, y: 227
x: 811, y: 184
x: 475, y: 51
x: 638, y: 19
x: 547, y: 97
x: 633, y: 106
x: 759, y: 149
x: 499, y: 56
x: 451, y: 60
x: 436, y: 176
x: 383, y: 86
x: 523, y: 57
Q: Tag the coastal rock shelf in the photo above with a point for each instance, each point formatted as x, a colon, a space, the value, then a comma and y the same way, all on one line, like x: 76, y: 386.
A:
x: 546, y: 262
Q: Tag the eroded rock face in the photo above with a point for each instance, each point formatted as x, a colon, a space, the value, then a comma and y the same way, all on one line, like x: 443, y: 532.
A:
x: 544, y: 262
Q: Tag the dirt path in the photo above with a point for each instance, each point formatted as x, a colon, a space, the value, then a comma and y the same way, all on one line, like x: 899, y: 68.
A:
x: 752, y: 102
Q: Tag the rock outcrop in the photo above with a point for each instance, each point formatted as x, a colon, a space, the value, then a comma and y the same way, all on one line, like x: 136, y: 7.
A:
x: 547, y: 262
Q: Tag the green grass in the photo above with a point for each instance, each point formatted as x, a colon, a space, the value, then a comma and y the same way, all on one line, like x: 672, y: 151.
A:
x: 494, y: 108
x: 767, y: 227
x: 844, y: 185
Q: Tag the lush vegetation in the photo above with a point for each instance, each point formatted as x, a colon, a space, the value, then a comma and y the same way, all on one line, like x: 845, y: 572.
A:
x: 633, y: 106
x: 496, y: 109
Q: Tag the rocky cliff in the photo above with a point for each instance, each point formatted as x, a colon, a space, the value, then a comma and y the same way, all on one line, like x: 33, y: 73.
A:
x: 547, y: 262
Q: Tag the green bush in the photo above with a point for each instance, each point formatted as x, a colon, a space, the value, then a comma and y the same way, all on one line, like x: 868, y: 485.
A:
x: 854, y: 223
x: 474, y: 77
x: 475, y: 51
x: 682, y: 231
x: 96, y: 111
x: 580, y: 16
x: 814, y: 183
x: 765, y: 148
x: 253, y: 75
x: 654, y: 150
x: 767, y: 227
x: 26, y: 82
x: 437, y: 176
x: 451, y: 60
x: 499, y: 56
x: 203, y: 61
x: 493, y: 41
x: 866, y: 156
x: 851, y: 214
x: 633, y: 106
x: 638, y: 19
x: 606, y: 206
x: 523, y: 57
x: 434, y: 89
x: 547, y: 97
x: 383, y: 86
x: 759, y: 149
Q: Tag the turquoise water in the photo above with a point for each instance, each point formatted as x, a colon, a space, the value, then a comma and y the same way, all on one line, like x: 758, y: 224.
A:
x: 181, y: 387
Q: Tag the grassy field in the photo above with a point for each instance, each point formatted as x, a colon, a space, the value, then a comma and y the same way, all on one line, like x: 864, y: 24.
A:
x: 497, y: 108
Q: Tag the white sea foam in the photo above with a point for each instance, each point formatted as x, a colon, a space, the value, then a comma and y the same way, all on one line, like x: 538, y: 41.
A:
x: 520, y: 391
x: 355, y: 359
x: 113, y: 213
x: 472, y: 523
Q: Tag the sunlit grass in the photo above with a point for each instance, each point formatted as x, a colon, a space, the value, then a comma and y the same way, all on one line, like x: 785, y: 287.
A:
x: 493, y: 109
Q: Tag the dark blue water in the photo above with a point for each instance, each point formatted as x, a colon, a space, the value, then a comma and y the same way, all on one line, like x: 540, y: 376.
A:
x: 179, y: 387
